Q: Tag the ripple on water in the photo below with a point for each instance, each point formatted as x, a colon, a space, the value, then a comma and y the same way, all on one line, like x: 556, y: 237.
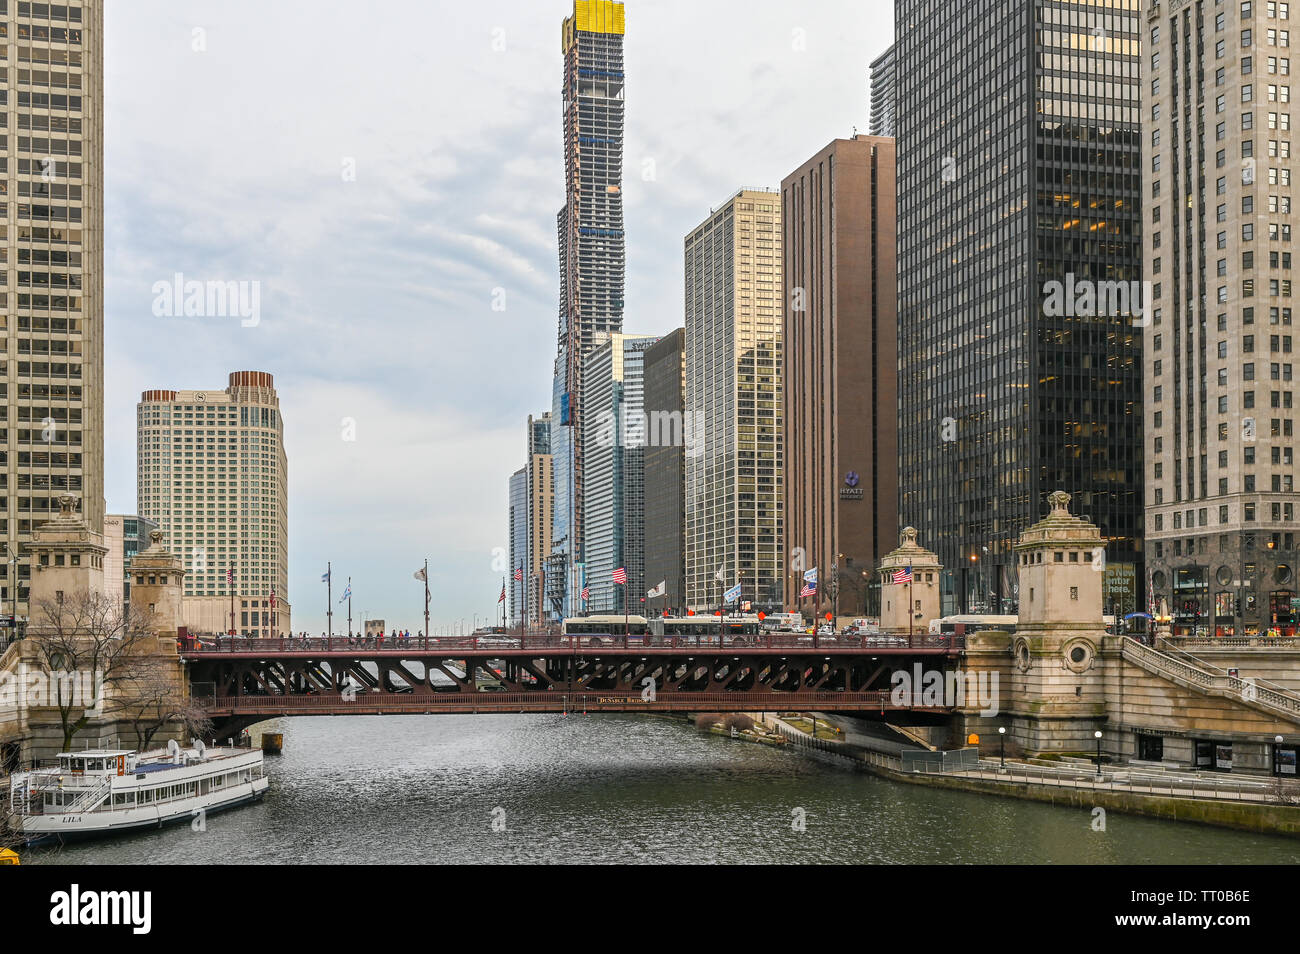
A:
x: 423, y: 789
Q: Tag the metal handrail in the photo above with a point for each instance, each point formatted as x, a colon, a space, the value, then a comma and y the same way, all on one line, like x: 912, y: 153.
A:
x: 550, y: 700
x: 1160, y: 661
x: 870, y: 642
x: 1210, y: 667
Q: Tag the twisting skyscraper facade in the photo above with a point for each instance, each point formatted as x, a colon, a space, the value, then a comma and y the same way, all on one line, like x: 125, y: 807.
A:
x: 590, y: 231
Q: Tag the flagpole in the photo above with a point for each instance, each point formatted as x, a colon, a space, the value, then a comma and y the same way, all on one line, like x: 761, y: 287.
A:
x: 349, y: 606
x: 426, y: 597
x: 230, y: 585
x: 329, y: 599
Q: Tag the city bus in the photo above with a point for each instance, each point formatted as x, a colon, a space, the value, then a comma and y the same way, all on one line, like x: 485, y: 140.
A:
x: 970, y: 623
x: 961, y: 625
x: 735, y: 628
x: 607, y: 626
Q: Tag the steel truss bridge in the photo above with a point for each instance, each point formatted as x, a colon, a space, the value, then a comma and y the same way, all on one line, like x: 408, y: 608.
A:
x: 243, y: 681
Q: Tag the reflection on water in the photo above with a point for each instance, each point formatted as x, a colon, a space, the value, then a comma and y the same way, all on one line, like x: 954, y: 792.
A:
x: 423, y: 789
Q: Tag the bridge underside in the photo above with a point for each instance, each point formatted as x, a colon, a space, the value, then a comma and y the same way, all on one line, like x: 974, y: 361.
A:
x: 256, y: 687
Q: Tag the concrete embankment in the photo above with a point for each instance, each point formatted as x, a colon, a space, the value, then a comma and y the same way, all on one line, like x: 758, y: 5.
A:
x: 1257, y: 816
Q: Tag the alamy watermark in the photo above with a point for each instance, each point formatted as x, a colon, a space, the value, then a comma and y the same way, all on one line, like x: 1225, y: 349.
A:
x: 190, y: 298
x: 938, y: 688
x: 29, y: 687
x: 1088, y: 298
x: 634, y: 429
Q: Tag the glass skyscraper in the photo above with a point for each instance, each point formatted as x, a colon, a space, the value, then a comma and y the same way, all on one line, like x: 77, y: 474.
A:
x: 615, y: 431
x: 1018, y: 165
x: 591, y: 246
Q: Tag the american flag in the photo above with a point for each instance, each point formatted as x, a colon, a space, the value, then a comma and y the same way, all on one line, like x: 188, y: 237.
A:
x: 903, y: 576
x: 273, y: 597
x: 620, y: 576
x: 502, y: 597
x: 519, y: 573
x: 230, y: 575
x: 586, y: 594
x: 809, y: 589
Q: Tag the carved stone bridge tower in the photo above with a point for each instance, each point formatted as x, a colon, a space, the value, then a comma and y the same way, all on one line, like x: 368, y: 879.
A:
x: 909, y: 607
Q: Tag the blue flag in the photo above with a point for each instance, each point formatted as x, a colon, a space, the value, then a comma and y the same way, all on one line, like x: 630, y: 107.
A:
x: 732, y: 594
x: 325, y: 577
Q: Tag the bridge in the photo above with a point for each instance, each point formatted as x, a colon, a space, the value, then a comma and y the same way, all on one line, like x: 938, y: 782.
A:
x: 242, y: 681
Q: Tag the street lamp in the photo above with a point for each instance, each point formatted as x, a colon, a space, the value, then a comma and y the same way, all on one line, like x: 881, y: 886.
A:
x: 1277, y: 762
x: 1002, y: 745
x: 1097, y: 736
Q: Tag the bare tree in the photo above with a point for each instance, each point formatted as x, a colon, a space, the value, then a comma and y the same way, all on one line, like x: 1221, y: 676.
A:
x: 149, y: 694
x: 86, y: 643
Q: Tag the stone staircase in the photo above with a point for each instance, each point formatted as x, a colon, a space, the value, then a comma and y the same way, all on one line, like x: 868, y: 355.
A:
x: 1275, y: 701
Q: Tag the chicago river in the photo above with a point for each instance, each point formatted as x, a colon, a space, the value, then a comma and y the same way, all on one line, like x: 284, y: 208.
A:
x: 537, y: 789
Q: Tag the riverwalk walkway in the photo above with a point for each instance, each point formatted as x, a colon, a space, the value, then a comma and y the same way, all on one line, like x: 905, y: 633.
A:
x: 1257, y: 803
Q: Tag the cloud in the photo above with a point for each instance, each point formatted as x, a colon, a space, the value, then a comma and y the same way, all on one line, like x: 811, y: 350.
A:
x: 231, y: 163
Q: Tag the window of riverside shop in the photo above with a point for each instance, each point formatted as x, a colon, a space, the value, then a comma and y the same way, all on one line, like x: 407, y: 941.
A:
x: 1151, y: 748
x: 1225, y: 611
x: 1213, y: 756
x: 1284, y: 759
x: 1223, y: 756
x: 1191, y: 593
x: 1282, y: 613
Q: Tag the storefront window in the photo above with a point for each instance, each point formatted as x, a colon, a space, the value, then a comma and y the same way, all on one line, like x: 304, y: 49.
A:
x: 1151, y: 748
x: 1284, y: 760
x: 1281, y: 614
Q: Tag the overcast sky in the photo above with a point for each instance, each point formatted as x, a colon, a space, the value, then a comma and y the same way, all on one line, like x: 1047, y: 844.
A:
x: 231, y: 130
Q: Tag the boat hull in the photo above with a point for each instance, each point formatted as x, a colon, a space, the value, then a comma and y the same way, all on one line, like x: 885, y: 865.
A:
x: 60, y: 829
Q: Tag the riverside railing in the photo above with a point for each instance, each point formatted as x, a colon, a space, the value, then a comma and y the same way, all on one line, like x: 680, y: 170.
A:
x: 199, y: 645
x: 1246, y: 689
x: 546, y: 700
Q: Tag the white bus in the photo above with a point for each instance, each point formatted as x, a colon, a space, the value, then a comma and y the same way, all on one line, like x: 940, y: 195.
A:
x: 605, y: 625
x: 961, y: 625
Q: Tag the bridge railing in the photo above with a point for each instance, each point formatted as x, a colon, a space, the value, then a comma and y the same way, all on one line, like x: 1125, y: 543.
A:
x: 192, y: 645
x: 552, y: 700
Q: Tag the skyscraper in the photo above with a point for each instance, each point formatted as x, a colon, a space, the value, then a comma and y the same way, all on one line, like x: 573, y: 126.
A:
x: 1221, y: 491
x: 1018, y: 167
x: 125, y: 535
x: 733, y: 401
x: 214, y: 476
x: 541, y: 500
x: 665, y: 469
x: 52, y: 256
x: 882, y: 95
x: 838, y: 347
x: 518, y: 530
x: 591, y: 244
x: 614, y: 430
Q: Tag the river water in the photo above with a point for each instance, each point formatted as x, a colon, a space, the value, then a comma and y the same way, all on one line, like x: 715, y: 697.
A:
x: 538, y: 789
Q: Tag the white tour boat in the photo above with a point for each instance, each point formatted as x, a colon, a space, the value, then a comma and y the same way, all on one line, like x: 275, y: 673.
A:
x: 104, y: 791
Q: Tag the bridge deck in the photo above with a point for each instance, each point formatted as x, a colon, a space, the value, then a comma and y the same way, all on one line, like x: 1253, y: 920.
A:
x: 225, y: 647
